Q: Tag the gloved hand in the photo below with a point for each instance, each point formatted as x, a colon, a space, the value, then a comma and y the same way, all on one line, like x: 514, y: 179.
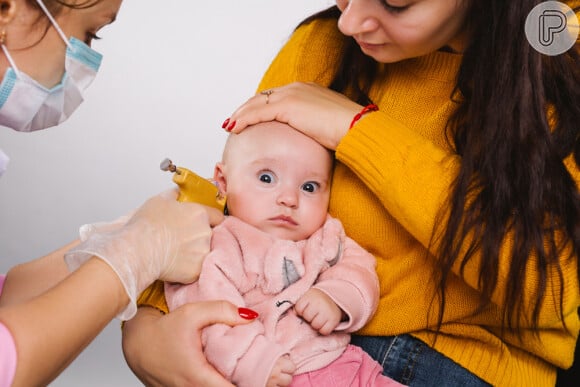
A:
x: 86, y: 230
x: 164, y: 239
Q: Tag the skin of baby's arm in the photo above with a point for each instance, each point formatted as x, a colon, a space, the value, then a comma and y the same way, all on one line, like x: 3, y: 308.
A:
x: 318, y: 309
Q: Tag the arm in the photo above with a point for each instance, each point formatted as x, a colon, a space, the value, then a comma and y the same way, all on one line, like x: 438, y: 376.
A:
x: 30, y: 279
x: 49, y: 331
x: 178, y: 359
x: 415, y: 163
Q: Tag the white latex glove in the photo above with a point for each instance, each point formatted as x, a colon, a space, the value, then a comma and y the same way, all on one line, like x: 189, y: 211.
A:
x: 164, y: 239
x: 86, y: 230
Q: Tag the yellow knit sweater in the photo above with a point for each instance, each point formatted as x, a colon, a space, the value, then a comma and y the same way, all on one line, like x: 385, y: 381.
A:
x: 393, y: 172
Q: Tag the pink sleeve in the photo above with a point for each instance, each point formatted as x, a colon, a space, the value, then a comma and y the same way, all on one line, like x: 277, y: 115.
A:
x: 7, y: 356
x: 7, y: 350
x: 352, y: 283
x: 2, y: 278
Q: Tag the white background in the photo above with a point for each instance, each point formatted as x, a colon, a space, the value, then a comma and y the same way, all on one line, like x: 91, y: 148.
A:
x: 172, y: 72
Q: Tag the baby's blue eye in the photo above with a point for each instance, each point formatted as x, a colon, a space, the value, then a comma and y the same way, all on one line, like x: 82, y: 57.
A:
x: 266, y: 177
x: 310, y: 186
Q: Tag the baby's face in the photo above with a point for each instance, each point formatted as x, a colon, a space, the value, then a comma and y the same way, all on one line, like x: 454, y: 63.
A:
x: 276, y: 179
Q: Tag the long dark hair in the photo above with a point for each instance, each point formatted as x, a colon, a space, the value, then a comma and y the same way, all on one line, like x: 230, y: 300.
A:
x: 517, y: 118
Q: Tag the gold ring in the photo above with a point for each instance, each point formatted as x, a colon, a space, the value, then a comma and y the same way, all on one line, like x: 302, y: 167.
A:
x: 267, y: 94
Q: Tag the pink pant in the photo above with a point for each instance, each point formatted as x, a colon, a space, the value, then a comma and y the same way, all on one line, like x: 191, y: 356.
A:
x: 354, y: 368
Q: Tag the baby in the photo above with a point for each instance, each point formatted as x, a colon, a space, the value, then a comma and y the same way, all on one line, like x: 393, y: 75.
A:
x: 280, y: 254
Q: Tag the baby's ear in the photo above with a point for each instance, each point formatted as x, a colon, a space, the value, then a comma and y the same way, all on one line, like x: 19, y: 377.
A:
x: 220, y: 178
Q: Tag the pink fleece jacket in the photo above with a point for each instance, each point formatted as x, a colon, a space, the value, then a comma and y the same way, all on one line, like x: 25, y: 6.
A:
x: 253, y: 269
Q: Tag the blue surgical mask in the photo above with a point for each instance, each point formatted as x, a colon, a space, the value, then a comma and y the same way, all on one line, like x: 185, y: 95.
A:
x: 26, y: 105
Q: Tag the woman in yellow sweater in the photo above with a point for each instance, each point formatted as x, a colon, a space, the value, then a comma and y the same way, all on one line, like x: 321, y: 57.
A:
x: 463, y: 184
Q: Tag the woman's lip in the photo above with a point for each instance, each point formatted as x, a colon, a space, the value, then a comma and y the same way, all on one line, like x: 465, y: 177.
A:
x: 369, y: 46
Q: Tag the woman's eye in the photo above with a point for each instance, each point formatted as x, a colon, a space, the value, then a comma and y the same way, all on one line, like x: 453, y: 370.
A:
x: 90, y: 36
x: 310, y: 186
x: 394, y: 8
x: 266, y: 177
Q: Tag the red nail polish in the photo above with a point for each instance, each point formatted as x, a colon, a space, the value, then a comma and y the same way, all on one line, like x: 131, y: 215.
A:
x: 226, y: 122
x: 232, y: 125
x: 248, y: 314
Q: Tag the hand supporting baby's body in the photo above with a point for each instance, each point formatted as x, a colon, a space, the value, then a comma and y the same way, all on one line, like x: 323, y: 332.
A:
x: 323, y: 315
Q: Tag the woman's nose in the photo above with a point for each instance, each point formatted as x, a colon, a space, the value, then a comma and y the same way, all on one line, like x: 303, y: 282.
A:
x: 358, y: 17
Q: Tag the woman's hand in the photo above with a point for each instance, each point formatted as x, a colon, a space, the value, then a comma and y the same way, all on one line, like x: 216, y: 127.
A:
x: 166, y: 350
x: 316, y: 111
x: 163, y: 239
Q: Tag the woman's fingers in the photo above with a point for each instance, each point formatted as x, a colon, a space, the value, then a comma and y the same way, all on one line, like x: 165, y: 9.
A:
x: 316, y: 111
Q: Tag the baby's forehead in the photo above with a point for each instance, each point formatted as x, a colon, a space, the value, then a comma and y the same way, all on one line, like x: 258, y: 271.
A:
x: 277, y: 141
x: 269, y: 129
x: 266, y: 134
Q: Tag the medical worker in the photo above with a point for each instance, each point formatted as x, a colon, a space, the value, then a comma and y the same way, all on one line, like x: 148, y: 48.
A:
x: 47, y: 314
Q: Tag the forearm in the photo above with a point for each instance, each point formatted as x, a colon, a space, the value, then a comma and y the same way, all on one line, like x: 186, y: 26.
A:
x: 414, y: 163
x: 173, y: 354
x: 53, y: 328
x: 136, y: 336
x: 397, y: 168
x: 28, y: 280
x: 171, y: 358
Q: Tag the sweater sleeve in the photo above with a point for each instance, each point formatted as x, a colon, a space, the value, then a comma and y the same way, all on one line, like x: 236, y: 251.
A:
x: 408, y: 173
x: 411, y: 177
x: 154, y: 297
